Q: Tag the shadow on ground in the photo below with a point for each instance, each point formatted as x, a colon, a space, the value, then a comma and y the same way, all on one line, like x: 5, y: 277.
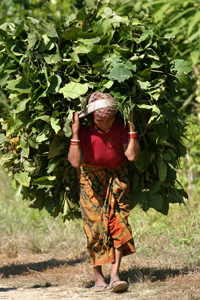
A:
x: 7, y: 289
x: 134, y: 275
x: 14, y: 269
x: 144, y: 274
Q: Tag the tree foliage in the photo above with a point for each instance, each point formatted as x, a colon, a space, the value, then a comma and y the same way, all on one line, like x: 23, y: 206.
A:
x: 48, y: 68
x: 179, y: 20
x: 13, y: 9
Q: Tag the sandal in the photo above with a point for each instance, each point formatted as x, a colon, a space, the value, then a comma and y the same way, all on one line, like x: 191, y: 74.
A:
x: 98, y: 288
x: 118, y: 286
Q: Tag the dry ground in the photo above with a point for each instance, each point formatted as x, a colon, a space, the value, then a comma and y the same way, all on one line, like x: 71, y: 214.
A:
x: 41, y: 277
x: 44, y: 259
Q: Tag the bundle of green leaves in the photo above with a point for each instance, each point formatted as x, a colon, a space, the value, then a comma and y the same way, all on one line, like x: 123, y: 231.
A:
x: 180, y: 20
x: 49, y: 68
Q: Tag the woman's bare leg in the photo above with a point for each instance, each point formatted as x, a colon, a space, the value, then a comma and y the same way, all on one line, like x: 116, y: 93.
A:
x: 116, y: 265
x: 98, y: 276
x: 116, y: 285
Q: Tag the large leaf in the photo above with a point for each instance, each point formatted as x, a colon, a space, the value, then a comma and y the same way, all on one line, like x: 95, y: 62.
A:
x: 57, y: 147
x: 155, y: 113
x: 120, y: 73
x: 55, y: 124
x: 181, y: 66
x: 155, y: 187
x: 41, y: 137
x: 22, y: 105
x: 55, y: 82
x: 143, y: 161
x: 156, y: 201
x: 23, y: 178
x: 144, y: 85
x: 162, y: 170
x: 73, y: 90
x: 52, y: 58
x: 45, y: 181
x: 19, y: 85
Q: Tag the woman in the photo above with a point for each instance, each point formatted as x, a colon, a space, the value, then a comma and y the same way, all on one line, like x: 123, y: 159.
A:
x: 100, y: 153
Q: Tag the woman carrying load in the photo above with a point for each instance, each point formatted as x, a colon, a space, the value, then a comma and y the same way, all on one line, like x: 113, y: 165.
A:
x: 100, y: 152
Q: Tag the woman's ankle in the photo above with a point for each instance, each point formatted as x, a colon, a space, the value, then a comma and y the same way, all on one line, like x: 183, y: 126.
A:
x: 98, y: 276
x: 100, y: 281
x: 114, y: 277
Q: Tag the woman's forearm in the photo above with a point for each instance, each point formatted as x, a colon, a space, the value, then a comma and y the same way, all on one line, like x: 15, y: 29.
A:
x: 75, y: 155
x: 132, y: 149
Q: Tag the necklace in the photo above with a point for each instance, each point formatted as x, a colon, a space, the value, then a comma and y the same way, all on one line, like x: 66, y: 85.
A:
x: 101, y: 131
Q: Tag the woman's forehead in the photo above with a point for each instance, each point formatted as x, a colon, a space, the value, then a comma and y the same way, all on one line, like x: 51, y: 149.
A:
x: 102, y: 118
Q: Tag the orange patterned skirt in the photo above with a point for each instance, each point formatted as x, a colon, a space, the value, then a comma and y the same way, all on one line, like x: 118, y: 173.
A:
x: 105, y: 206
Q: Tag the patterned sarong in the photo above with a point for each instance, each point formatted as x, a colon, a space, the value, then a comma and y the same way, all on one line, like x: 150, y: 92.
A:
x: 105, y: 206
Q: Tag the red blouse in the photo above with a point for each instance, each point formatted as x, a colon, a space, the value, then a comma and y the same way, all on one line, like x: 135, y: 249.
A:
x: 104, y: 150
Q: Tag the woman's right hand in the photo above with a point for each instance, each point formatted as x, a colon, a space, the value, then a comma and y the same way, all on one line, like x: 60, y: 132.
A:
x: 75, y: 155
x: 75, y: 123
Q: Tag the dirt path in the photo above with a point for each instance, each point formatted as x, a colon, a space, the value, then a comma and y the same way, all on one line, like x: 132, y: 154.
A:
x: 41, y: 277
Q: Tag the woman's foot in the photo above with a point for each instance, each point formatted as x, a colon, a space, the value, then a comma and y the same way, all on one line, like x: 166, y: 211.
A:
x: 98, y: 277
x: 100, y: 284
x: 98, y: 288
x: 117, y: 286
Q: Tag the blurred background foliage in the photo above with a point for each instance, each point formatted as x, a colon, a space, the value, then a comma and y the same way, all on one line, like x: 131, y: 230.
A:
x: 177, y: 19
x: 12, y: 9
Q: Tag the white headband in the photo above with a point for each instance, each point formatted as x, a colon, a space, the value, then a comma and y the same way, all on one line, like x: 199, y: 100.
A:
x: 95, y: 105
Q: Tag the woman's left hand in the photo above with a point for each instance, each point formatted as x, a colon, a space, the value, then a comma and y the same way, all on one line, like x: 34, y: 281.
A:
x: 75, y: 123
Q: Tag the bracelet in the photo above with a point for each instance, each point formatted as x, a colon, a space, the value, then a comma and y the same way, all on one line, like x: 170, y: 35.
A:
x: 133, y: 135
x: 132, y: 132
x: 75, y: 140
x: 74, y: 143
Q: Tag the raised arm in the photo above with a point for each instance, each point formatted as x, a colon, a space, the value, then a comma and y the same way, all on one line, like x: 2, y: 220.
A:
x: 132, y: 148
x: 75, y: 155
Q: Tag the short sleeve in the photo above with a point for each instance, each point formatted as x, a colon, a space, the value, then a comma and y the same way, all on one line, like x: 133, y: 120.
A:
x: 83, y: 138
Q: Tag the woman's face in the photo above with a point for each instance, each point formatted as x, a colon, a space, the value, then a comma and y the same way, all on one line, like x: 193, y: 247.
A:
x: 104, y: 123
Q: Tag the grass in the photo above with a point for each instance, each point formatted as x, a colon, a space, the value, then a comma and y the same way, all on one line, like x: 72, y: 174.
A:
x: 171, y: 239
x: 25, y: 230
x: 37, y: 250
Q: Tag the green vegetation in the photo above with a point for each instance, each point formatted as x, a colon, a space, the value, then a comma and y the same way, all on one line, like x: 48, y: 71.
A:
x: 190, y: 164
x: 25, y: 230
x: 10, y: 10
x: 180, y: 20
x: 49, y: 68
x: 45, y: 55
x: 174, y: 239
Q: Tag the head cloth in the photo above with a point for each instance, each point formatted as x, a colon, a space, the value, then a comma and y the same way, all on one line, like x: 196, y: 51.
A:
x: 102, y: 112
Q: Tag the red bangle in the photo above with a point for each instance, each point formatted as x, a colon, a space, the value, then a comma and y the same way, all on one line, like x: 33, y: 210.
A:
x: 132, y: 135
x: 74, y: 143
